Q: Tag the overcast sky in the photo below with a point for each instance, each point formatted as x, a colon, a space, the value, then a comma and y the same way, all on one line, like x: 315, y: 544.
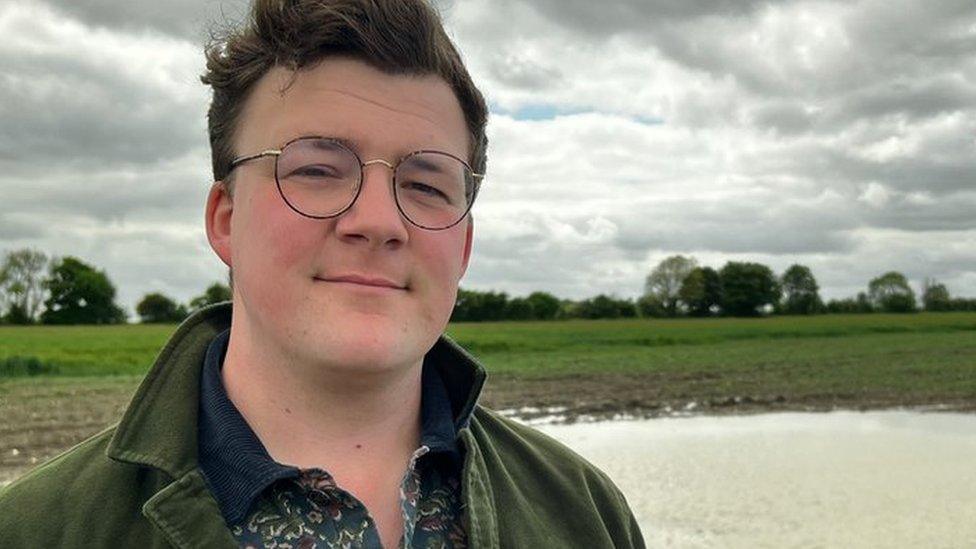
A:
x: 839, y: 135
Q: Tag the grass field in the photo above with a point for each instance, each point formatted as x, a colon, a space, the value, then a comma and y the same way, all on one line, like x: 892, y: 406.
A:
x: 599, y: 368
x: 579, y: 346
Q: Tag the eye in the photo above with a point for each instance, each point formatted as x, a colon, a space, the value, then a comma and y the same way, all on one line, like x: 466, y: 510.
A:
x: 316, y: 171
x: 425, y: 189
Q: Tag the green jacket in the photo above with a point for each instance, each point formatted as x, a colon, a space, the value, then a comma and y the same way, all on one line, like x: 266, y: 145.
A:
x: 137, y: 484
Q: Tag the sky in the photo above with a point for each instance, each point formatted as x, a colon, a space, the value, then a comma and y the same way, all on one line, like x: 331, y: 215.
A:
x: 838, y: 135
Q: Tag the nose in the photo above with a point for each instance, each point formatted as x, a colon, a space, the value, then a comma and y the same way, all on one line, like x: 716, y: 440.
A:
x: 374, y: 218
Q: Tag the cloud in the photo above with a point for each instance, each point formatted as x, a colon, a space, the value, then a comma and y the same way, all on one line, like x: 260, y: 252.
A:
x: 520, y: 70
x: 875, y: 195
x: 637, y: 16
x: 15, y: 227
x: 186, y: 19
x: 72, y: 94
x: 160, y: 191
x: 536, y: 251
x: 835, y: 134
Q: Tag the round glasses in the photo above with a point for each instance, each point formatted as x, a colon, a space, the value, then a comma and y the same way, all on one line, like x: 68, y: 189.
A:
x: 321, y: 178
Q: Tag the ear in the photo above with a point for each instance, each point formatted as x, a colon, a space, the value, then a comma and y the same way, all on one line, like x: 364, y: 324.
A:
x: 220, y: 211
x: 468, y: 241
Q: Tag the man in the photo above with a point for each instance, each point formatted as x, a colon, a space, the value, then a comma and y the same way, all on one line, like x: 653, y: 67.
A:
x: 327, y: 411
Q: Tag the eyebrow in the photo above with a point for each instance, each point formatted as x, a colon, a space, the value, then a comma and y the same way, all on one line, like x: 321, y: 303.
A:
x: 426, y: 164
x: 356, y: 146
x: 351, y: 144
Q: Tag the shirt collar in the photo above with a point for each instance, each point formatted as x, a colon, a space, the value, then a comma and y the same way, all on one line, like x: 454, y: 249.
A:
x: 236, y: 464
x: 437, y: 430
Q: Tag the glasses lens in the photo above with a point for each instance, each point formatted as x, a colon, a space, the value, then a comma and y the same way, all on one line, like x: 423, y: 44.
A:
x: 318, y: 177
x: 434, y: 190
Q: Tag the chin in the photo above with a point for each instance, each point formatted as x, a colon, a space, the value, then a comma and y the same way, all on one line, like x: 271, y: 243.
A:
x: 339, y: 333
x: 370, y: 348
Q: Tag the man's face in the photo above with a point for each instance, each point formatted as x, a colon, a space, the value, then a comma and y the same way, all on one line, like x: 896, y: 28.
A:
x: 286, y: 266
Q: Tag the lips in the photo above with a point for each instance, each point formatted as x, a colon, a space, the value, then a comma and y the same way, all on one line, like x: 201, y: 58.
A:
x: 377, y: 282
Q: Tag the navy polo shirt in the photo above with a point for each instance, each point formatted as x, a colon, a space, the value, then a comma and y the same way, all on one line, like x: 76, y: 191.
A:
x: 235, y: 463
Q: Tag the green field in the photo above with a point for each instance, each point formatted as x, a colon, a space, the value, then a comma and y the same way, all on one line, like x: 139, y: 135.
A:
x: 579, y: 346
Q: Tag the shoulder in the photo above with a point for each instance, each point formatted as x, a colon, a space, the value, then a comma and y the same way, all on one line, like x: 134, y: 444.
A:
x: 516, y: 445
x: 60, y: 497
x: 530, y: 469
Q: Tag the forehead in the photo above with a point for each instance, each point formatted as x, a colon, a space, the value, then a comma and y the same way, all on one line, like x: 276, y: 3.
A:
x: 379, y: 113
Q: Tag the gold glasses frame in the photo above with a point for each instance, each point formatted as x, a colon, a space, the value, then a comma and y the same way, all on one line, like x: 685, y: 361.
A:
x: 477, y: 177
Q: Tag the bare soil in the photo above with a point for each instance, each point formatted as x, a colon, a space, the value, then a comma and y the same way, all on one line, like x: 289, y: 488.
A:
x: 41, y: 420
x: 614, y: 395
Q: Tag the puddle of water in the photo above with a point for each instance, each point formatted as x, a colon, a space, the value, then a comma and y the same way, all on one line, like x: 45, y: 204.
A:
x: 838, y: 479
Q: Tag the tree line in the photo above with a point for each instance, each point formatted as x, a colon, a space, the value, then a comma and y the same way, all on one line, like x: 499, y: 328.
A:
x: 67, y: 290
x: 678, y: 286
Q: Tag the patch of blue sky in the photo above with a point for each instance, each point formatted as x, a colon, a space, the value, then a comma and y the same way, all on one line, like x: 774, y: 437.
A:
x: 544, y: 111
x: 541, y: 111
x: 648, y: 120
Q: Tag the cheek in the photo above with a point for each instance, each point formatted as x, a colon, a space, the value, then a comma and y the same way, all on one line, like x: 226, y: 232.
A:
x: 443, y: 261
x: 269, y: 238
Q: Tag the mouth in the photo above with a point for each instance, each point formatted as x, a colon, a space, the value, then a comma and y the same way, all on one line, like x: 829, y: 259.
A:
x: 363, y: 281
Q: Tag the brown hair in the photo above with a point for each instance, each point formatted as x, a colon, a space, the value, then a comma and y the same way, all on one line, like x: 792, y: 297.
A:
x: 395, y: 36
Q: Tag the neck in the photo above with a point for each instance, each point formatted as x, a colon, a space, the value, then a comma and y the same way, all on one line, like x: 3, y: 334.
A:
x: 338, y: 419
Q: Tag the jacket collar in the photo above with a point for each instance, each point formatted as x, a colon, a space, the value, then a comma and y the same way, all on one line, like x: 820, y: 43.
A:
x: 238, y: 468
x: 159, y: 428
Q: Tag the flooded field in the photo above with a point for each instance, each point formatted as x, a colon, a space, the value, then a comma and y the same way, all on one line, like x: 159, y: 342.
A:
x: 837, y: 479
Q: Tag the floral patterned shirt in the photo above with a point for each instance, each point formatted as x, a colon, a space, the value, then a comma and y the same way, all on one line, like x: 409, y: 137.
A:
x: 312, y: 511
x: 267, y: 504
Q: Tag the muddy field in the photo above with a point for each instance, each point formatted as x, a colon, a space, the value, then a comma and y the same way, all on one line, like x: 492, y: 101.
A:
x: 41, y: 420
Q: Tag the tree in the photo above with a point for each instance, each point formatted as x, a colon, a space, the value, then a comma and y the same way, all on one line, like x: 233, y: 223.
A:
x: 478, y: 306
x: 701, y: 291
x: 626, y: 308
x: 519, y: 308
x: 649, y: 307
x: 604, y: 306
x: 962, y: 304
x: 665, y: 281
x: 863, y: 303
x: 860, y: 305
x: 801, y: 291
x: 601, y: 306
x: 935, y: 296
x: 156, y: 308
x: 80, y: 294
x: 545, y: 306
x: 841, y: 306
x: 568, y: 309
x: 216, y: 293
x: 891, y: 293
x: 22, y: 285
x: 16, y: 315
x: 747, y: 287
